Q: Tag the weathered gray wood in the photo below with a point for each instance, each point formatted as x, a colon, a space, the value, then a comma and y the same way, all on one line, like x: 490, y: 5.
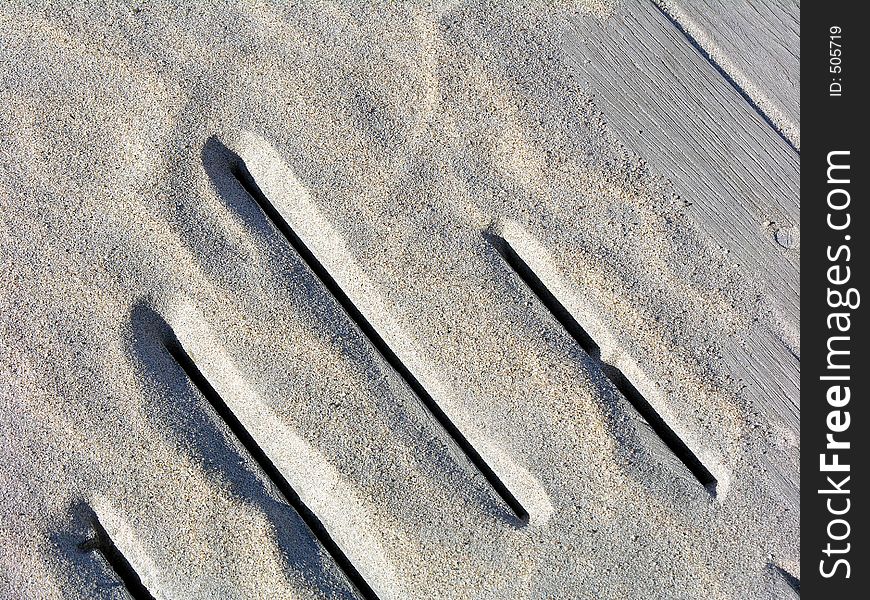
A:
x: 738, y: 177
x: 736, y: 173
x: 757, y: 45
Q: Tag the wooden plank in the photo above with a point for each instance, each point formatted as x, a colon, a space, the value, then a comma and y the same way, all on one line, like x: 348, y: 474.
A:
x: 670, y: 105
x: 756, y: 45
x: 738, y: 177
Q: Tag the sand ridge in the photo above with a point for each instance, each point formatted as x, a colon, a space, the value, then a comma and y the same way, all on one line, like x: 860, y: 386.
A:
x: 392, y: 139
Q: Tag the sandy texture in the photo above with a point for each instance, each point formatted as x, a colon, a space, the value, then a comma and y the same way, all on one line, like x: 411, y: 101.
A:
x: 397, y: 143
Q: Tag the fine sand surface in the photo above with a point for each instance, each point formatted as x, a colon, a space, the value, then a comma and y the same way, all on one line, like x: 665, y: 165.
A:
x: 321, y: 300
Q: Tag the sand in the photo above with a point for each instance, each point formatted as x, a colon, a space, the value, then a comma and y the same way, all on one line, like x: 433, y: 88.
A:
x: 399, y: 143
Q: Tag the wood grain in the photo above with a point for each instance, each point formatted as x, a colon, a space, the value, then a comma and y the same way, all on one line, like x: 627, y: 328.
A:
x: 757, y: 44
x: 738, y: 177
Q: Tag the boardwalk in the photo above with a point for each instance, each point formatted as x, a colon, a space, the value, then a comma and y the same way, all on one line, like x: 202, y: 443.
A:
x: 451, y: 301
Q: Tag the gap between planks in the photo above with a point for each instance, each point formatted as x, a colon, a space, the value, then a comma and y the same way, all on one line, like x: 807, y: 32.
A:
x: 246, y: 180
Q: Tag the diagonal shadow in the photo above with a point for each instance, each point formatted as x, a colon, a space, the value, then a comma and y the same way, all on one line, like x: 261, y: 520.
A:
x: 190, y: 420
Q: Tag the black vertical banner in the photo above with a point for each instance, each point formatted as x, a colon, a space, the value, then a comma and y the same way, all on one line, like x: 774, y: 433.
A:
x: 835, y: 370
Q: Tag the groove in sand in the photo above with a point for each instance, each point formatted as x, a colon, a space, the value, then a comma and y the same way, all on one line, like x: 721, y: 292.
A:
x: 272, y: 472
x: 102, y: 542
x: 247, y: 181
x: 613, y: 373
x: 792, y: 581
